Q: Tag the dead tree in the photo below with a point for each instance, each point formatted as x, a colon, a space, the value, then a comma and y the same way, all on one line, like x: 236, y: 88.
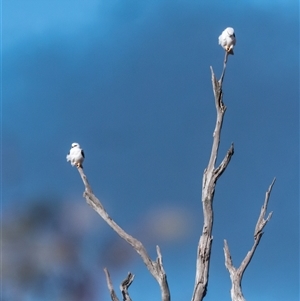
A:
x: 210, y: 177
x: 236, y: 275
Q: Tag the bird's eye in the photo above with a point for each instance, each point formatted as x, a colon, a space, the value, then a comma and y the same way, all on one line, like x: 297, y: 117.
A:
x: 234, y: 34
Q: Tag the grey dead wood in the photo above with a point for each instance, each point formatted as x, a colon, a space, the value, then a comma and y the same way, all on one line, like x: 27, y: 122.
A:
x: 210, y: 177
x: 155, y: 267
x: 236, y: 274
x: 113, y: 295
x: 125, y: 285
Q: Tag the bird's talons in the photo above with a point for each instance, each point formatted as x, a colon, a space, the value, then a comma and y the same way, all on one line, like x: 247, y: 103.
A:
x: 229, y: 50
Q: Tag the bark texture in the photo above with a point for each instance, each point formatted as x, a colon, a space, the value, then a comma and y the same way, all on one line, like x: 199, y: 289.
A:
x: 125, y: 285
x: 112, y: 292
x: 210, y: 177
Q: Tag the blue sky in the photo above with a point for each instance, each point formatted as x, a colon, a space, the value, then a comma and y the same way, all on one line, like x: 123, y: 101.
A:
x: 130, y: 81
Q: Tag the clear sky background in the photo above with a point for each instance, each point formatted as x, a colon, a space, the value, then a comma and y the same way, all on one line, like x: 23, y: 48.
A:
x: 130, y: 81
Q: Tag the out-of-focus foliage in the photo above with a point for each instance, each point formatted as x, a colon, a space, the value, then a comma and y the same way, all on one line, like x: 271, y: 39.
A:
x: 44, y: 255
x: 56, y: 249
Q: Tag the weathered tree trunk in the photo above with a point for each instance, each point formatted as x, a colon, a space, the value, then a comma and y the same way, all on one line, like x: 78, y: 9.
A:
x: 210, y: 177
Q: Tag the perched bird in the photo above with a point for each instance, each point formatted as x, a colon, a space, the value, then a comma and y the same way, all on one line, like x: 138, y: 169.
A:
x: 227, y: 40
x: 75, y: 155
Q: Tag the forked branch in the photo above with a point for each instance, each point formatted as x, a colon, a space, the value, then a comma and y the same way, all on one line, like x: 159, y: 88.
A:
x: 210, y: 177
x: 123, y: 286
x: 155, y: 267
x: 236, y: 275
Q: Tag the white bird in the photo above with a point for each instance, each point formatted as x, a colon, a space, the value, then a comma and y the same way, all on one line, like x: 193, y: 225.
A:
x: 75, y: 155
x: 227, y: 40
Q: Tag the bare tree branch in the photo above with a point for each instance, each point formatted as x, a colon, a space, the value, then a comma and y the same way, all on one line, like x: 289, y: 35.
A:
x: 155, y: 267
x: 210, y: 177
x: 236, y: 275
x: 224, y: 68
x: 261, y: 220
x: 125, y: 285
x: 221, y: 168
x: 113, y: 295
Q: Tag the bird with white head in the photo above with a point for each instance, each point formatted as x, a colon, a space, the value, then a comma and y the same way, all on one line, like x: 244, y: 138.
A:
x: 76, y: 155
x: 227, y: 40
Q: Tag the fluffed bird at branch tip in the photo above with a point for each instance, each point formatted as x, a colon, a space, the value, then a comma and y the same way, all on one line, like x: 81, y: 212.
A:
x: 227, y: 40
x: 75, y: 155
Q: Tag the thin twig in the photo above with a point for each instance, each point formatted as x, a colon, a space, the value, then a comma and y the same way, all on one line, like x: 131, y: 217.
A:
x: 221, y: 168
x: 261, y: 220
x: 224, y: 68
x: 125, y: 285
x: 113, y: 295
